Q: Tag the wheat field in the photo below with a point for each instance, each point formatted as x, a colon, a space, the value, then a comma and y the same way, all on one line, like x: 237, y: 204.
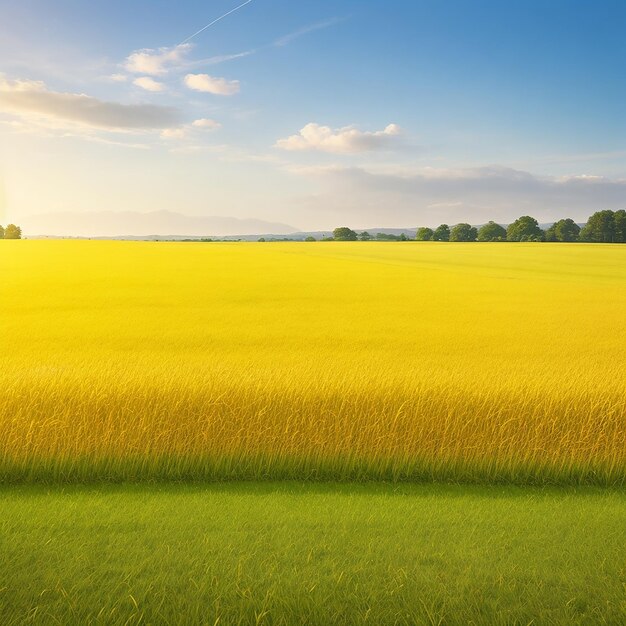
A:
x: 330, y: 361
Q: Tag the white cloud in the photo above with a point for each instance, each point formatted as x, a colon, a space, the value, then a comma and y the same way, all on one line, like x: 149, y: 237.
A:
x: 149, y: 84
x: 180, y: 132
x: 118, y: 78
x: 206, y: 124
x: 32, y: 100
x: 157, y: 62
x: 210, y: 84
x: 189, y: 131
x: 347, y: 140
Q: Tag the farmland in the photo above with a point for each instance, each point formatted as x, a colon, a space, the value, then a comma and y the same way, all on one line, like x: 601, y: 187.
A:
x: 314, y: 433
x: 125, y: 361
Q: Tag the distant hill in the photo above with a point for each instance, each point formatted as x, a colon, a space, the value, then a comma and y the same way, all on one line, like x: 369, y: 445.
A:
x: 131, y: 224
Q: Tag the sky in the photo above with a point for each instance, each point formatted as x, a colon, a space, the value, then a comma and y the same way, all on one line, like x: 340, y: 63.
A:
x: 308, y: 115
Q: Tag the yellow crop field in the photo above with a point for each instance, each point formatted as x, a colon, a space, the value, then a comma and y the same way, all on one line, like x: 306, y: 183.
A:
x: 486, y: 362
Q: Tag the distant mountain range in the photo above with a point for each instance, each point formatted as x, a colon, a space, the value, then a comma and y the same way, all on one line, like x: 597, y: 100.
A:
x: 131, y: 224
x: 166, y: 225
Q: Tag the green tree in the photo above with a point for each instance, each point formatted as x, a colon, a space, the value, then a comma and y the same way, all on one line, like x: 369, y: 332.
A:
x: 310, y: 238
x: 261, y: 239
x: 463, y: 232
x: 525, y: 228
x: 491, y: 232
x: 619, y: 217
x: 424, y: 234
x: 343, y: 233
x: 364, y: 236
x: 442, y: 233
x: 563, y: 230
x: 1, y: 232
x: 600, y: 228
x: 402, y: 237
x: 12, y: 232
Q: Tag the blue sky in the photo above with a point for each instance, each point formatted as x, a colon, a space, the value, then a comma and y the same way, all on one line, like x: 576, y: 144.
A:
x: 414, y: 112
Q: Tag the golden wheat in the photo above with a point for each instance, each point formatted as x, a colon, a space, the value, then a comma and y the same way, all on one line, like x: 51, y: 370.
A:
x: 126, y: 361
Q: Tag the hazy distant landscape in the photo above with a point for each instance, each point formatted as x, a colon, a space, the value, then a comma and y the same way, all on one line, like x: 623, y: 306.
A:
x: 133, y: 224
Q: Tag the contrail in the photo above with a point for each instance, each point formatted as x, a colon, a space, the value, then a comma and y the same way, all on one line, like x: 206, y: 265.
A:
x: 215, y: 21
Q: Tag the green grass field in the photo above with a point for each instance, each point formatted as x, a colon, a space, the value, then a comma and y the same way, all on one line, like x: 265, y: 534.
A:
x: 293, y: 553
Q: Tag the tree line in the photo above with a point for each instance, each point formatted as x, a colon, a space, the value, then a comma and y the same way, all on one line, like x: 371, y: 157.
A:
x: 10, y: 232
x: 602, y: 227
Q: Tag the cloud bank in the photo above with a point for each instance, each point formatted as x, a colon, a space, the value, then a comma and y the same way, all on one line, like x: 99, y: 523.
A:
x: 347, y: 140
x: 27, y: 98
x: 430, y: 196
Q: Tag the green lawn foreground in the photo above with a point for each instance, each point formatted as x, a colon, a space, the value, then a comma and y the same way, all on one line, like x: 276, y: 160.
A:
x: 291, y: 553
